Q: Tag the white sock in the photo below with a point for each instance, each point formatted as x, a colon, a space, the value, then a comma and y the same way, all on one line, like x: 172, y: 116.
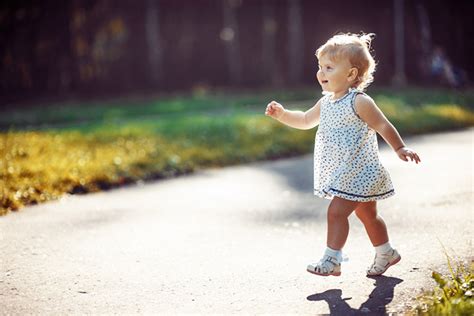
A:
x: 334, y: 253
x: 383, y: 248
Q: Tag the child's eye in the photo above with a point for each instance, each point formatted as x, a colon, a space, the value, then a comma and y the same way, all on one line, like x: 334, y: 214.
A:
x: 328, y: 68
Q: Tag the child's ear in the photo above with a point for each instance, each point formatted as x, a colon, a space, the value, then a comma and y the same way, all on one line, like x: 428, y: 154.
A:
x: 353, y: 72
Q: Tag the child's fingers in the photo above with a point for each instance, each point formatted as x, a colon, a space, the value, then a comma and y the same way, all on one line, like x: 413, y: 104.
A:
x: 271, y: 107
x: 417, y: 158
x: 272, y: 104
x: 270, y: 110
x: 403, y: 157
x: 413, y: 156
x: 409, y: 155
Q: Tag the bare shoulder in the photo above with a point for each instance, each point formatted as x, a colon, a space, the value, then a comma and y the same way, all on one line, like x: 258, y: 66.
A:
x: 364, y: 104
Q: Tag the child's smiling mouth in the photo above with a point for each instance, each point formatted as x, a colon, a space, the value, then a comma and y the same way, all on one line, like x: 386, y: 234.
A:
x: 324, y: 81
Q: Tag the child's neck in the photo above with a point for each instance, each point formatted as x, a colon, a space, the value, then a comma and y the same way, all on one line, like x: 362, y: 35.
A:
x: 340, y: 94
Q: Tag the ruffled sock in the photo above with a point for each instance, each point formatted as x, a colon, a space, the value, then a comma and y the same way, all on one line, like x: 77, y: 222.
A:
x: 334, y: 253
x: 383, y: 249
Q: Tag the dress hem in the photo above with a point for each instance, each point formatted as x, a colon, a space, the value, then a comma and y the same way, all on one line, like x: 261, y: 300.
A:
x: 330, y: 193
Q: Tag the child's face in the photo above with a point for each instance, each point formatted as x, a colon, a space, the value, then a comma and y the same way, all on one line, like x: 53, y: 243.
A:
x: 335, y: 76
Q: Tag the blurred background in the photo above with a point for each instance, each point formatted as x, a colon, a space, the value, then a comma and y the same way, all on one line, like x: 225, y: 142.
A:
x: 101, y: 47
x: 96, y: 94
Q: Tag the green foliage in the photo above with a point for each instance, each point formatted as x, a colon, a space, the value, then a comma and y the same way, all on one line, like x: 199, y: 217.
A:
x: 453, y: 294
x: 42, y: 165
x: 167, y: 137
x: 75, y: 114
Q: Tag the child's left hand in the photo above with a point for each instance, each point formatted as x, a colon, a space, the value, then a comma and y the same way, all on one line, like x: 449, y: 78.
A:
x: 404, y: 153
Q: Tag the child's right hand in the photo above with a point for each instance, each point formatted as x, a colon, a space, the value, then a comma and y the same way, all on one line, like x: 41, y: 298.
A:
x: 274, y: 110
x: 404, y: 153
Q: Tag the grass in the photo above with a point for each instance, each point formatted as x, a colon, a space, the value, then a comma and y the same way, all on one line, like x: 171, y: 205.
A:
x: 74, y: 114
x: 53, y: 149
x: 42, y: 165
x: 69, y: 114
x: 453, y: 294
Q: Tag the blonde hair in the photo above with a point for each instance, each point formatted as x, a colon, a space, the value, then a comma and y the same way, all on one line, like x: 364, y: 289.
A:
x: 356, y: 48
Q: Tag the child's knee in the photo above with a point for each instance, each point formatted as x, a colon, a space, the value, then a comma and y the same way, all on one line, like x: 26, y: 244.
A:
x: 367, y: 214
x: 335, y: 213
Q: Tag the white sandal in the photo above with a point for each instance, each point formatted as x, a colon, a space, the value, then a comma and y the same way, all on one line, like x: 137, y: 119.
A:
x: 326, y: 266
x: 383, y: 262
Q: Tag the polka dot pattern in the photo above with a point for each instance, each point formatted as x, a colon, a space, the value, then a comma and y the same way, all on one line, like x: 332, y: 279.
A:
x: 346, y: 156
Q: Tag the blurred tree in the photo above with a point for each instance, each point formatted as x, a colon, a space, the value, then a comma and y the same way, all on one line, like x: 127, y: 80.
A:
x: 230, y: 34
x: 99, y: 35
x: 87, y: 48
x: 295, y: 41
x: 152, y: 27
x: 399, y: 79
x: 269, y: 47
x: 424, y: 26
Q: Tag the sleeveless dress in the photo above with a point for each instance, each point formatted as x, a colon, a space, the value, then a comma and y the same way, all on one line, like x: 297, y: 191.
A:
x: 346, y: 156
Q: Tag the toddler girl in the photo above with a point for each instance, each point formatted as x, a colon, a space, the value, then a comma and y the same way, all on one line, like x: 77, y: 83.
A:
x: 347, y: 169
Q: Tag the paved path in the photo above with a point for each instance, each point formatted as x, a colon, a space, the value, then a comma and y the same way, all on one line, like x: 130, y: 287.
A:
x: 234, y: 240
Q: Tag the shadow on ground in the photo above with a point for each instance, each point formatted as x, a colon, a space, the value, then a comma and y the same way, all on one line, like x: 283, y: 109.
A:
x: 298, y: 204
x: 376, y: 304
x: 297, y: 172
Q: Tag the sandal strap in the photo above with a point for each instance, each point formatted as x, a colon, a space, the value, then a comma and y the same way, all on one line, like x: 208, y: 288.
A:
x: 326, y: 264
x: 381, y: 261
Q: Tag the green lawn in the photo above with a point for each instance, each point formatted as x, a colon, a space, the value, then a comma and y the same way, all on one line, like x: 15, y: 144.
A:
x: 51, y: 149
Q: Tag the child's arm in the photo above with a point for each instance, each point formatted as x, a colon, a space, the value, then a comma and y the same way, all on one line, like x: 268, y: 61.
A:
x: 296, y: 119
x: 373, y: 116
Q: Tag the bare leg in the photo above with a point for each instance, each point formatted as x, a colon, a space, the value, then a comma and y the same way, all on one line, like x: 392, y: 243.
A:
x: 374, y: 224
x: 338, y: 223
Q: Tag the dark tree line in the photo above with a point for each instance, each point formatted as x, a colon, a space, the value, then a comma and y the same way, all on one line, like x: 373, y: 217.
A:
x: 104, y: 47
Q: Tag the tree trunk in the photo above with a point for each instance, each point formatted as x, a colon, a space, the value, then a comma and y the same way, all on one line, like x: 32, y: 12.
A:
x: 269, y: 43
x: 230, y: 34
x: 295, y: 42
x: 66, y: 59
x: 425, y: 34
x: 155, y: 50
x: 399, y: 79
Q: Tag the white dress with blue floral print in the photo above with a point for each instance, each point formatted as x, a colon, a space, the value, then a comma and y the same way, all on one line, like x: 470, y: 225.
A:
x: 346, y: 156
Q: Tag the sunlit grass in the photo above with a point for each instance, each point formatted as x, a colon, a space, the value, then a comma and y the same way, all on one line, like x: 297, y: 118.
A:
x: 95, y: 113
x: 41, y: 165
x: 453, y: 294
